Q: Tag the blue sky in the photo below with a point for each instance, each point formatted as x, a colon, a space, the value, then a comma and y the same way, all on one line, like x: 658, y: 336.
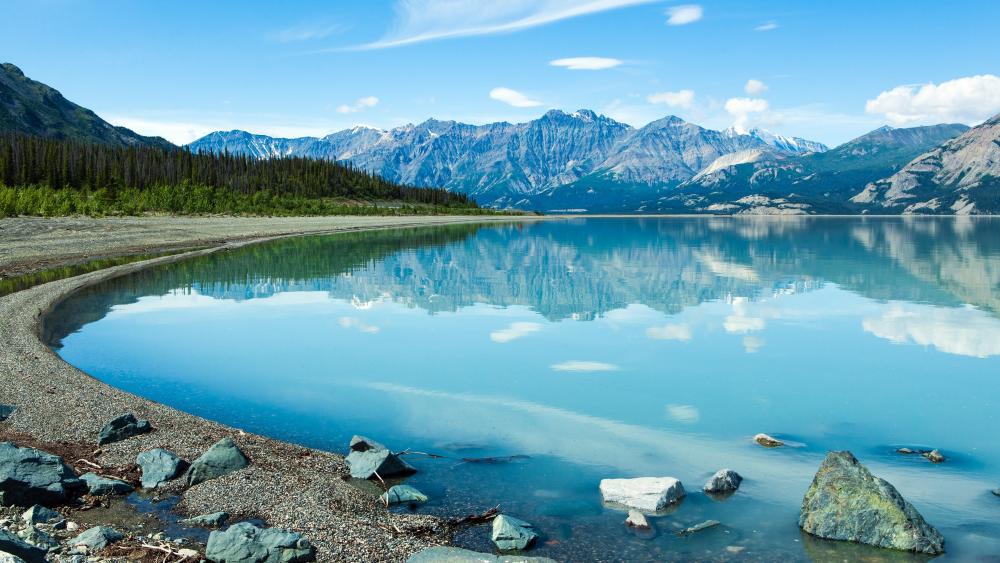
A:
x: 826, y: 71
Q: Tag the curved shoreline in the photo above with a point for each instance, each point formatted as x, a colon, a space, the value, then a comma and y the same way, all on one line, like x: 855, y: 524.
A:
x: 287, y: 486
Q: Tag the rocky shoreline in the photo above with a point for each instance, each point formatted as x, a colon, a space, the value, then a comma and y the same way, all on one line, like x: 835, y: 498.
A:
x: 61, y: 410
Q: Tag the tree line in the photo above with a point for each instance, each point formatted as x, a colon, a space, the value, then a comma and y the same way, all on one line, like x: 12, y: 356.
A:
x: 49, y: 166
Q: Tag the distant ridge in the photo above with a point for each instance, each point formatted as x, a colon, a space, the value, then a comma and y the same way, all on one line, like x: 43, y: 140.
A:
x: 32, y: 108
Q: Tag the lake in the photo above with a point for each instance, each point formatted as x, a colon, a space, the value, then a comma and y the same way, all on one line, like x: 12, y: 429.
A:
x: 591, y: 348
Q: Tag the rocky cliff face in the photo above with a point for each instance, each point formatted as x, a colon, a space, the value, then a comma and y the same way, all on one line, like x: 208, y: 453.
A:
x: 961, y: 176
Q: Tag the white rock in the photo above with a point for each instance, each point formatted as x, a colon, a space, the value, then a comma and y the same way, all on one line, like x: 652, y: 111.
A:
x: 645, y: 493
x: 187, y: 553
x: 72, y: 526
x: 637, y: 519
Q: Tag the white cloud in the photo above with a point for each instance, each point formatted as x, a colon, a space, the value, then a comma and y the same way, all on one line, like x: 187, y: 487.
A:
x: 742, y: 109
x: 738, y: 324
x: 513, y: 98
x: 682, y: 15
x: 577, y: 365
x: 360, y: 105
x: 754, y: 87
x: 185, y: 129
x: 304, y: 32
x: 678, y: 99
x: 767, y: 26
x: 687, y: 414
x: 514, y: 331
x: 358, y: 324
x: 964, y: 331
x: 966, y: 100
x: 586, y: 63
x: 680, y: 332
x: 752, y: 343
x: 426, y: 20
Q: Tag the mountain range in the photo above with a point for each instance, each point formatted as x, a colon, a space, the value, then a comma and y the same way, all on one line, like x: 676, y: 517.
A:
x: 585, y: 162
x: 33, y: 108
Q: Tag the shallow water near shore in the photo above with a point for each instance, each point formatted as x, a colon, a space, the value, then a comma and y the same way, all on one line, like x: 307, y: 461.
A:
x: 594, y: 348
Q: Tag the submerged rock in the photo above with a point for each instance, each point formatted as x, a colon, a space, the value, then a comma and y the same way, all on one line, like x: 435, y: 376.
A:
x: 9, y: 543
x: 645, y: 493
x: 101, y: 486
x: 511, y: 533
x: 401, y: 494
x: 459, y: 555
x: 29, y: 476
x: 996, y: 492
x: 846, y: 502
x: 122, y: 428
x: 6, y: 411
x: 724, y: 481
x: 368, y: 457
x: 698, y: 527
x: 38, y: 514
x: 97, y: 538
x: 222, y: 458
x: 159, y: 466
x: 768, y: 441
x: 934, y: 456
x: 213, y: 520
x: 637, y: 520
x: 245, y: 542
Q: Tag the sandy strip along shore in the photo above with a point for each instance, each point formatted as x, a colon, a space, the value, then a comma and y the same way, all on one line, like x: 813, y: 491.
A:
x: 61, y: 409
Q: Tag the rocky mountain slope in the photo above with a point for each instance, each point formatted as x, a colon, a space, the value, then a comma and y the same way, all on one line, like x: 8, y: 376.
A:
x: 961, y: 176
x: 817, y: 182
x: 33, y: 108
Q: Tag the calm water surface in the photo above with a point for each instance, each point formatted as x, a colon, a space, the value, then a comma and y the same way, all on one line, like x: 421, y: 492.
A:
x: 597, y: 348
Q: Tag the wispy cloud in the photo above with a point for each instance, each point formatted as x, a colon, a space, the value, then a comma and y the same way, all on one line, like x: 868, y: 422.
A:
x: 427, y: 20
x: 514, y: 331
x: 970, y: 100
x: 358, y: 324
x: 305, y: 32
x: 586, y: 63
x: 513, y: 98
x: 687, y: 414
x: 360, y: 105
x: 680, y: 332
x: 577, y: 365
x: 754, y: 87
x: 683, y: 15
x: 678, y: 99
x: 766, y: 26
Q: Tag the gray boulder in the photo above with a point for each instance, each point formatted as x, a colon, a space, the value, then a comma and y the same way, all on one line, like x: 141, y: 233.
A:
x: 29, y: 476
x: 246, y: 543
x: 38, y: 514
x: 122, y: 428
x: 100, y: 486
x: 97, y: 538
x: 222, y: 458
x: 9, y: 558
x: 724, y: 481
x: 399, y: 494
x: 368, y: 457
x: 6, y: 411
x: 510, y: 533
x: 213, y: 520
x: 38, y: 538
x: 846, y: 502
x: 459, y: 555
x: 9, y: 543
x: 159, y: 466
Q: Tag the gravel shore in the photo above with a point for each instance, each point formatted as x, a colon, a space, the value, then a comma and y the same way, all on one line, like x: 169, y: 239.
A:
x: 61, y: 408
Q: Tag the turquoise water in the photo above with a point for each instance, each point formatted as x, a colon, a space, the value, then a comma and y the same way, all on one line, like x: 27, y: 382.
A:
x: 597, y: 348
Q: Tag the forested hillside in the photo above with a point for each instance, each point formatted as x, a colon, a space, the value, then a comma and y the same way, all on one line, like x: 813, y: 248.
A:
x: 41, y: 176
